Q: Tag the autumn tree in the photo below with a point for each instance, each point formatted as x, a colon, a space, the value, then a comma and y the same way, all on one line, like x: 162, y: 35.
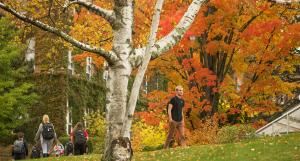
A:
x: 121, y: 59
x: 211, y: 64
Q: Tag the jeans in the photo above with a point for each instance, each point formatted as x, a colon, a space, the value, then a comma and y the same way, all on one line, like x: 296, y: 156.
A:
x: 173, y: 127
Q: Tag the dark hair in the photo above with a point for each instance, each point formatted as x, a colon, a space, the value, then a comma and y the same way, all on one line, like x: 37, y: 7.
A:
x: 78, y: 126
x: 20, y: 135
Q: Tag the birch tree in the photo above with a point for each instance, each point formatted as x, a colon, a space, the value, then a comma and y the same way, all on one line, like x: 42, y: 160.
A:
x: 122, y: 59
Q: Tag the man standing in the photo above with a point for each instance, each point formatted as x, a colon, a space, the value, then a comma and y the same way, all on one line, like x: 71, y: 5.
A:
x: 176, y: 118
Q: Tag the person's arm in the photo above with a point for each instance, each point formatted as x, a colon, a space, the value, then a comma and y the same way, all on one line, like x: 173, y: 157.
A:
x: 26, y: 148
x: 169, y: 112
x: 183, y: 112
x: 55, y: 136
x: 12, y: 150
x: 182, y: 116
x: 72, y: 137
x: 38, y: 133
x: 86, y: 135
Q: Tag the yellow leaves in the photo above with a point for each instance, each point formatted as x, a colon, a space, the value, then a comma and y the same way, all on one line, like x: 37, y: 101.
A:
x: 92, y: 29
x: 224, y: 105
x: 147, y: 136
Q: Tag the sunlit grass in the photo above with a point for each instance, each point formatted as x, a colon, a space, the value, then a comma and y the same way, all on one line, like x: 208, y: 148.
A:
x: 279, y: 148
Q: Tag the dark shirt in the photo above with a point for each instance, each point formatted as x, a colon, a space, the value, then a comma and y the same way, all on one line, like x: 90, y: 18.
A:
x: 176, y: 111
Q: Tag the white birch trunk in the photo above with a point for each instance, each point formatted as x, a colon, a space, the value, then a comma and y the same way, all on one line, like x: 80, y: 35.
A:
x: 141, y: 72
x: 116, y: 146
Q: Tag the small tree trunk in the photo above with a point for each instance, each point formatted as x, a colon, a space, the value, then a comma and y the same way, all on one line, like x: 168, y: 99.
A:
x: 141, y: 72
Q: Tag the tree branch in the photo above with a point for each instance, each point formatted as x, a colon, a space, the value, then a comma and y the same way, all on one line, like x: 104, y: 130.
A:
x: 109, y: 56
x: 169, y: 41
x: 108, y: 15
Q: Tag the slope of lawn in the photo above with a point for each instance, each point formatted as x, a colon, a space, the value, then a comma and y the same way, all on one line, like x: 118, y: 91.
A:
x: 279, y: 148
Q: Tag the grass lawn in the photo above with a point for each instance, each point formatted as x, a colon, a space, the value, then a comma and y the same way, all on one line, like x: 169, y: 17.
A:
x: 280, y: 148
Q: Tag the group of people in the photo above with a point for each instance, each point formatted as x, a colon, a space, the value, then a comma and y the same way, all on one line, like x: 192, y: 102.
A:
x: 47, y: 142
x: 46, y: 137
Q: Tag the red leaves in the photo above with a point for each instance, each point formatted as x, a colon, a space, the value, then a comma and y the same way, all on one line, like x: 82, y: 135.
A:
x: 259, y: 29
x: 233, y: 111
x: 169, y: 20
x: 211, y: 47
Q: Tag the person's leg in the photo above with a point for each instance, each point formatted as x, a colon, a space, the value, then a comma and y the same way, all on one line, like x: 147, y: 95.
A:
x: 76, y: 149
x: 172, y: 126
x: 181, y: 134
x: 44, y: 149
x: 17, y: 156
x: 82, y: 149
x: 23, y: 156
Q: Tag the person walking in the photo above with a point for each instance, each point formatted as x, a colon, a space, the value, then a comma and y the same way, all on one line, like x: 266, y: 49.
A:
x: 20, y: 147
x: 176, y: 118
x: 79, y: 137
x: 45, y: 136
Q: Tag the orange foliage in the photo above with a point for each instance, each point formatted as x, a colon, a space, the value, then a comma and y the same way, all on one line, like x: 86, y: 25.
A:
x: 253, y: 55
x: 97, y: 61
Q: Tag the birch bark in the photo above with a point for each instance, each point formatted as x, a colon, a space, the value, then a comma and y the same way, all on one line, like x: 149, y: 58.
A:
x: 141, y: 72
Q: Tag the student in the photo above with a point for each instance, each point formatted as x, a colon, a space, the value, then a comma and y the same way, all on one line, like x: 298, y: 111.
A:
x: 45, y: 135
x: 20, y: 148
x: 176, y: 118
x: 79, y: 137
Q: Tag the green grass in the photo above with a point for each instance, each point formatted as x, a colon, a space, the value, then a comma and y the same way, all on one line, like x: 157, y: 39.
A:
x: 280, y: 148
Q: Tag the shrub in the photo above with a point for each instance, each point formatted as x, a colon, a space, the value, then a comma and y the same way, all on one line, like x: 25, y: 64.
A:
x: 96, y: 129
x: 64, y: 139
x: 229, y: 134
x: 147, y: 137
x: 206, y: 133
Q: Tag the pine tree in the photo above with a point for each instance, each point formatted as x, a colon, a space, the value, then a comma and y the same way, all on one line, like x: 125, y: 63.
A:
x: 15, y: 95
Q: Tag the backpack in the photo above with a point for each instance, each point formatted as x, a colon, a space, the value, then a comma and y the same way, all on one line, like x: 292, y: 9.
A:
x: 35, y: 152
x: 19, y: 146
x: 69, y: 148
x: 48, y: 131
x: 79, y: 137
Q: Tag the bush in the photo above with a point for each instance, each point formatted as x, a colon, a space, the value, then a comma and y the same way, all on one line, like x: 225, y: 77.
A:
x: 63, y: 140
x: 96, y: 129
x: 230, y: 134
x: 147, y: 137
x: 206, y: 133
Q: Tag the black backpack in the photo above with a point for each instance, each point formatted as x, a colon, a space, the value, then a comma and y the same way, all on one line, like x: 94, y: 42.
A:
x: 69, y: 148
x: 79, y: 137
x: 35, y: 152
x: 19, y: 146
x: 48, y: 131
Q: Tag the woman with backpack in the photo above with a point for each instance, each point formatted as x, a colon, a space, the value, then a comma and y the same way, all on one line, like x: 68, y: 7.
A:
x: 45, y: 135
x: 79, y: 137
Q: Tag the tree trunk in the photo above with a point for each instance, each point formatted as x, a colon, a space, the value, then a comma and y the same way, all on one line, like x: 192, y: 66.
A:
x: 116, y: 146
x: 141, y: 72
